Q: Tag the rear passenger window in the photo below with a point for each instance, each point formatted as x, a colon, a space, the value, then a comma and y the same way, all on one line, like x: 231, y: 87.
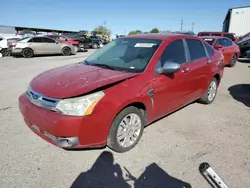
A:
x: 36, y: 40
x: 48, y: 40
x: 209, y: 49
x: 196, y: 49
x: 174, y: 52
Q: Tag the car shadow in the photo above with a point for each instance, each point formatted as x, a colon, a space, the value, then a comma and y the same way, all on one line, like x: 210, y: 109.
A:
x: 241, y: 93
x: 244, y: 60
x: 106, y: 173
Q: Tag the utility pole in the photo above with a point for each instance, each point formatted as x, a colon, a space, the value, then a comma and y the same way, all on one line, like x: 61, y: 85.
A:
x: 182, y: 24
x: 193, y: 26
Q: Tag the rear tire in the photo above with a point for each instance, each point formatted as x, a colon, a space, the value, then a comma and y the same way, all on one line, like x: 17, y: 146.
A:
x: 211, y: 92
x: 66, y: 51
x: 27, y: 53
x: 233, y: 60
x: 126, y: 129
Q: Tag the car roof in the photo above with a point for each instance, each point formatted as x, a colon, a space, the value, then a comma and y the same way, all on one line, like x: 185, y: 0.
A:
x: 156, y: 36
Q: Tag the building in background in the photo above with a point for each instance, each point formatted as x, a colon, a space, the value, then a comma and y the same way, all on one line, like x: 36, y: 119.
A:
x: 237, y: 21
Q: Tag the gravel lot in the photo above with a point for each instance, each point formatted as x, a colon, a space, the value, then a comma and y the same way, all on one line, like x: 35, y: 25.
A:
x: 168, y: 155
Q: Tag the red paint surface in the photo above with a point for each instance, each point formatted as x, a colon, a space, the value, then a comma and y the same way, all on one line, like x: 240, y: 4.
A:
x: 170, y: 93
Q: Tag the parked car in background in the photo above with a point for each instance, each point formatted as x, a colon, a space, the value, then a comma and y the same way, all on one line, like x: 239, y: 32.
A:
x: 86, y: 41
x: 185, y: 33
x: 231, y: 36
x: 66, y: 40
x: 4, y: 46
x: 30, y: 46
x: 111, y: 96
x: 244, y: 46
x: 229, y: 49
x: 244, y: 37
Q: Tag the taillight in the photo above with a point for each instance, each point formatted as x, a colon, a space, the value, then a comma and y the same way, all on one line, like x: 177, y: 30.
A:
x: 12, y: 45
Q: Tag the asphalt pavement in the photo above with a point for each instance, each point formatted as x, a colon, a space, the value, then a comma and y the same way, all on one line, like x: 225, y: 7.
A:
x: 168, y: 155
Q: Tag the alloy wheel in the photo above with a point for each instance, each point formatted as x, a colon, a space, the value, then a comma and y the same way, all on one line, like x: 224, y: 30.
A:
x: 129, y: 130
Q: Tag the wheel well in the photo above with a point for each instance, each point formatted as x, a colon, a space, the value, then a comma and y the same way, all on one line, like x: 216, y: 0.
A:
x: 217, y: 76
x: 140, y: 106
x: 29, y: 49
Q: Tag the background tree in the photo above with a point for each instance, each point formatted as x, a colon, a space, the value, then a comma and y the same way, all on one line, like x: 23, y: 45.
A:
x: 135, y: 32
x: 154, y: 30
x: 83, y: 32
x: 27, y: 31
x: 103, y: 30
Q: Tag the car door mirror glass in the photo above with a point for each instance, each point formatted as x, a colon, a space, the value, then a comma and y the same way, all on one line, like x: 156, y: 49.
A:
x: 168, y: 67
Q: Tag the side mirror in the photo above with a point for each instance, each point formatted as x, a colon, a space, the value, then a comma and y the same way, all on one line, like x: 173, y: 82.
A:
x: 57, y: 42
x: 66, y: 39
x: 168, y: 67
x: 218, y: 46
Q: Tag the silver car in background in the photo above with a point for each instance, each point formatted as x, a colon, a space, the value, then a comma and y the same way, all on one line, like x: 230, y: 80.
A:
x: 31, y: 46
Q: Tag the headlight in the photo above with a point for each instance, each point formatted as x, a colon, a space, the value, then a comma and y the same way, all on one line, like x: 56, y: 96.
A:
x: 80, y: 106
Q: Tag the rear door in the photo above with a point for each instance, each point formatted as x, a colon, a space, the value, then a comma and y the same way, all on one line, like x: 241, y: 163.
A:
x: 170, y: 91
x: 37, y: 45
x: 52, y: 47
x: 200, y: 68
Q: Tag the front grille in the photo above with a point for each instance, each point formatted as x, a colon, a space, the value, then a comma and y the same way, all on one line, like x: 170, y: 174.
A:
x: 41, y: 100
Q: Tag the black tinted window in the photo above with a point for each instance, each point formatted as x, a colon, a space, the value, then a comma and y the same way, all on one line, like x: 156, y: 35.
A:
x: 204, y: 34
x: 230, y: 36
x: 228, y: 42
x: 1, y: 39
x: 48, y: 40
x: 224, y: 42
x: 209, y: 49
x: 196, y: 49
x: 216, y: 34
x: 37, y: 39
x: 174, y: 52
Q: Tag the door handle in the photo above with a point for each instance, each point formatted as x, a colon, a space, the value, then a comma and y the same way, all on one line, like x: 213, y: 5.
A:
x: 208, y: 61
x: 185, y: 70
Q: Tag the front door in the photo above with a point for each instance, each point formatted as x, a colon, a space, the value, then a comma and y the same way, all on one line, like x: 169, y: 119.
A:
x: 226, y: 50
x: 171, y: 91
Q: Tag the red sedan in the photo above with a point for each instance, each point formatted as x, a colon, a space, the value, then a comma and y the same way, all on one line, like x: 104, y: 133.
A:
x: 229, y: 49
x: 111, y: 96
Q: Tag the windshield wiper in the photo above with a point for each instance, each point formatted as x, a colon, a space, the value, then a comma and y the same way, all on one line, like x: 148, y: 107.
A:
x: 102, y: 65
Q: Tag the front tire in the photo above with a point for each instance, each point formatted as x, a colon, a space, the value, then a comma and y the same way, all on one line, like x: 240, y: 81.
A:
x: 210, y: 95
x: 126, y: 129
x: 95, y: 46
x: 27, y: 53
x: 66, y: 51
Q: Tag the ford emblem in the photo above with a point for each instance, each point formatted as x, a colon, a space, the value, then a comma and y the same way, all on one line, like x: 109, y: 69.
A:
x: 34, y: 96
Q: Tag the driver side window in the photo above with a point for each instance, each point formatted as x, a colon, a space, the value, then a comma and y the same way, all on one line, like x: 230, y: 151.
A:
x: 174, y: 52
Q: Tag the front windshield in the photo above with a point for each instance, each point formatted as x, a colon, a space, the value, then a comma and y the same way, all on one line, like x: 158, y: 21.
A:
x: 125, y: 54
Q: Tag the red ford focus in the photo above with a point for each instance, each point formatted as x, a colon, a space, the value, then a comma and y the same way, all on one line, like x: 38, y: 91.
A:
x: 110, y: 97
x: 229, y: 49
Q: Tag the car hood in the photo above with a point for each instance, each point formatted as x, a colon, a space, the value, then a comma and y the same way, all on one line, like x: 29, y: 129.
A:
x: 74, y: 80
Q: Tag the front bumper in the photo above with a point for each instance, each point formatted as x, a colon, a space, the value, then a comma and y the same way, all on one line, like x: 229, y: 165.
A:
x: 66, y: 131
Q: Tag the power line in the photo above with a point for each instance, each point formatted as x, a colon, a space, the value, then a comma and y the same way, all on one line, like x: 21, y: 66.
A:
x: 193, y: 26
x: 182, y: 24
